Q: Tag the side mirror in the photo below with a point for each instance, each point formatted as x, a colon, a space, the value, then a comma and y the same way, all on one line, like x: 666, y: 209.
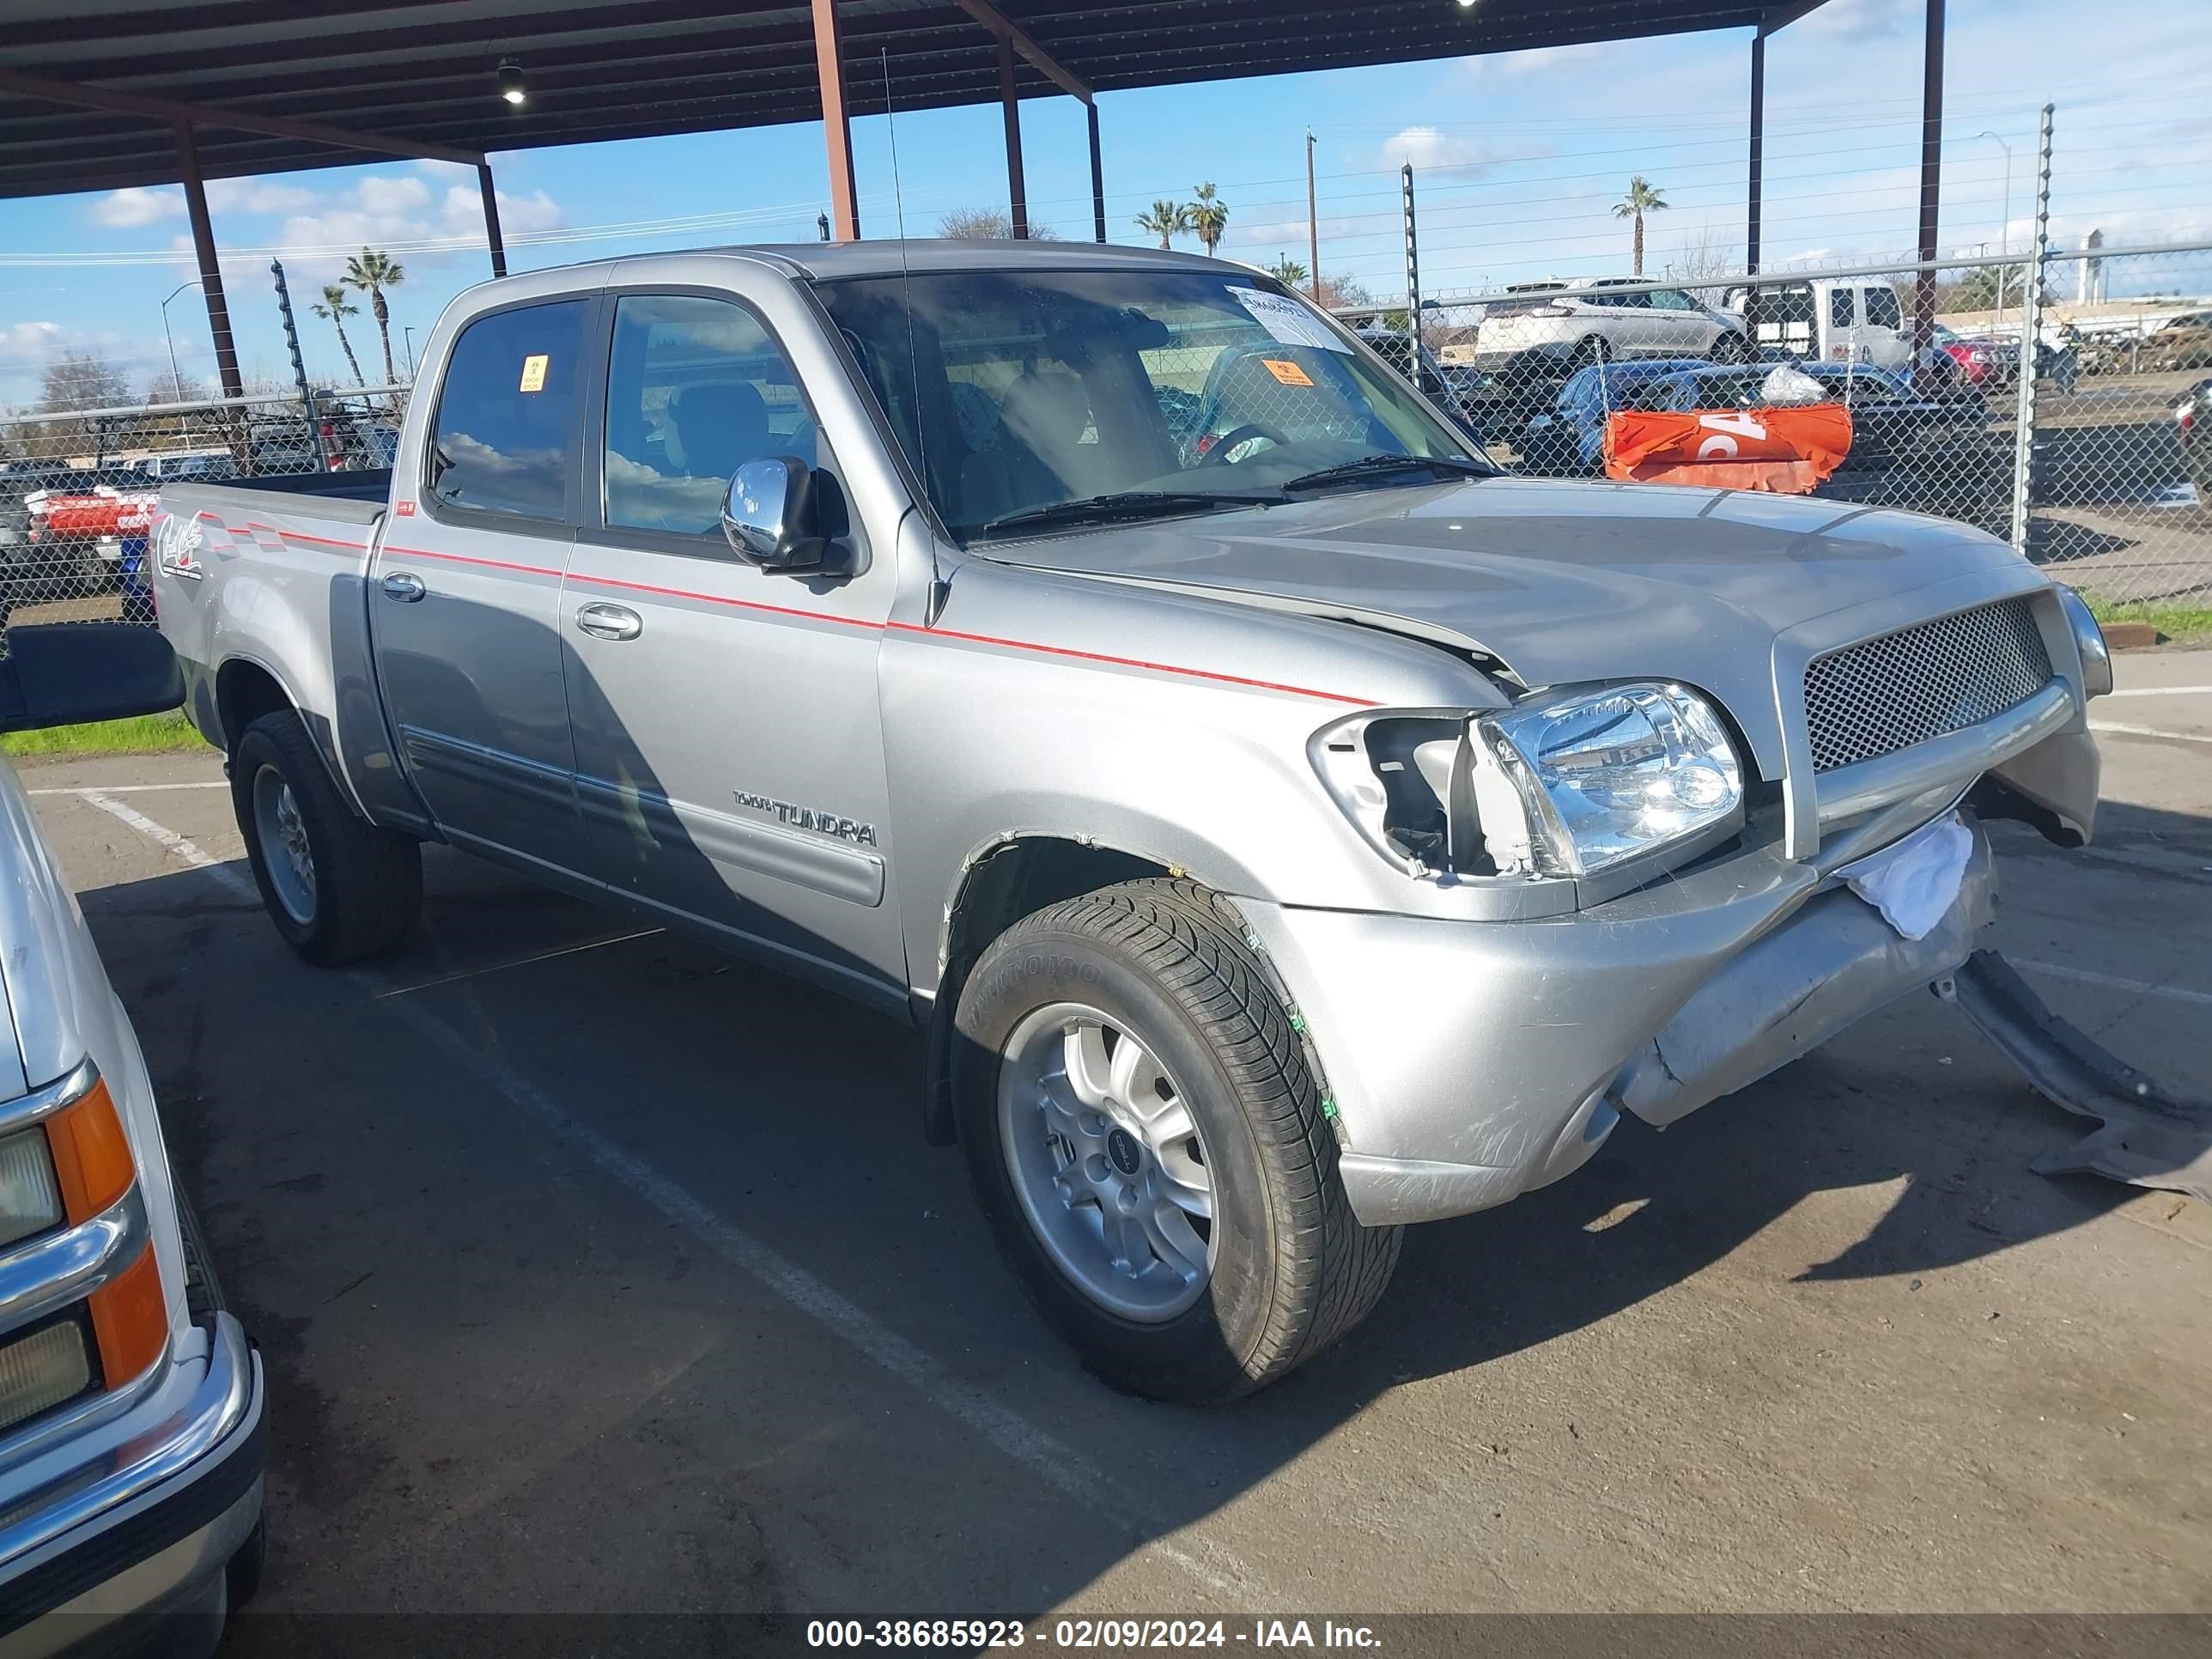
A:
x: 771, y: 515
x: 64, y: 673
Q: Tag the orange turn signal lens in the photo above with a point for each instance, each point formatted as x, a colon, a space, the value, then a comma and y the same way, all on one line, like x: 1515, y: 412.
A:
x: 129, y: 1320
x: 92, y: 1157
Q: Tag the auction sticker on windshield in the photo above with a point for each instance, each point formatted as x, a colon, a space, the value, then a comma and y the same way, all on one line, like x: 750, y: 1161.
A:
x: 1289, y: 373
x: 1288, y: 321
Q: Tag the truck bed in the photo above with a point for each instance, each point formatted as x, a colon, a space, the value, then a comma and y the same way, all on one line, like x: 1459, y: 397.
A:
x: 297, y: 551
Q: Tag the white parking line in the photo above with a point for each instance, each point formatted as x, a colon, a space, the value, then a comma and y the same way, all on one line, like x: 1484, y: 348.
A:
x: 2119, y: 730
x: 519, y: 962
x: 2174, y: 993
x: 133, y: 788
x: 1052, y: 1460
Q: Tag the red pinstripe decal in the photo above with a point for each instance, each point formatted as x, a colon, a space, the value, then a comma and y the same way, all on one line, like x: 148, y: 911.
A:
x: 463, y: 558
x: 903, y: 627
x: 1132, y: 662
x: 735, y: 604
x: 253, y: 525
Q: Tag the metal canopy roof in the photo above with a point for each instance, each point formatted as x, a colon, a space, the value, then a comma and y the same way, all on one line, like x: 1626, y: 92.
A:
x: 422, y: 75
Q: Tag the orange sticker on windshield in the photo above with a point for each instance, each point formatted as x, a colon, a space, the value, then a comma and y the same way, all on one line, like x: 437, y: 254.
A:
x: 533, y: 372
x: 1288, y: 373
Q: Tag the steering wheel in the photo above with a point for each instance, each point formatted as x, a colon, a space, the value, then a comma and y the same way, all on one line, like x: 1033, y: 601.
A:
x: 1228, y: 441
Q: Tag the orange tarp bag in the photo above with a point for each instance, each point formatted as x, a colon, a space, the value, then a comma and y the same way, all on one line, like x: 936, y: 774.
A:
x: 1788, y: 450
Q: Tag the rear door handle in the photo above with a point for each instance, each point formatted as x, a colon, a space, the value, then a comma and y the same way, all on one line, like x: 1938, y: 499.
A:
x: 610, y: 622
x: 404, y: 587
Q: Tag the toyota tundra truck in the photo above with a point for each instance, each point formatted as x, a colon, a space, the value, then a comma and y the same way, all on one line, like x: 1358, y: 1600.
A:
x: 1286, y: 824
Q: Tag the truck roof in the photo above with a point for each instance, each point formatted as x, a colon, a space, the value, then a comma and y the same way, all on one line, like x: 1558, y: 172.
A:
x: 890, y: 257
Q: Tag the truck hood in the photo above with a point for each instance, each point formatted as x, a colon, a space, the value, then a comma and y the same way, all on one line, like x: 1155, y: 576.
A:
x: 1559, y: 580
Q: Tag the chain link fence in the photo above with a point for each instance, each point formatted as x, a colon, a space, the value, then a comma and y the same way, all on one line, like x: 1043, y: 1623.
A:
x: 76, y: 486
x: 2116, y: 459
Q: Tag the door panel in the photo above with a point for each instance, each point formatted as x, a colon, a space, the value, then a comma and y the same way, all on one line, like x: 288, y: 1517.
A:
x: 729, y: 747
x: 464, y: 599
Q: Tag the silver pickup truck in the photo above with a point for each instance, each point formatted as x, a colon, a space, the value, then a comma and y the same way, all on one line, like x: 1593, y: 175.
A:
x: 1286, y: 824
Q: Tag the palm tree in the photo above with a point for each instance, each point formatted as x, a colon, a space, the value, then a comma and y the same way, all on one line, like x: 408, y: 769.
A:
x: 1166, y: 220
x: 372, y: 272
x: 337, y: 308
x: 1288, y: 272
x: 1642, y: 197
x: 1209, y: 216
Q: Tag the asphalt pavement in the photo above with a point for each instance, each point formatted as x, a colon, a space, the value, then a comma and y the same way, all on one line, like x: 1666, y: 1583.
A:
x: 595, y: 1273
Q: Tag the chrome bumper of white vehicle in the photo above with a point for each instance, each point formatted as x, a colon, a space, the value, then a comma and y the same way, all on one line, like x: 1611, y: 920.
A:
x: 138, y: 1540
x: 1470, y: 1062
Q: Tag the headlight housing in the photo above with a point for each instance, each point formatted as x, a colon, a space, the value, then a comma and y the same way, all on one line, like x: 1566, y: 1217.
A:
x: 1566, y: 783
x: 1570, y: 783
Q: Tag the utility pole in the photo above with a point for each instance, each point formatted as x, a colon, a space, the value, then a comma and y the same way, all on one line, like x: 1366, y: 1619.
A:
x: 1313, y: 224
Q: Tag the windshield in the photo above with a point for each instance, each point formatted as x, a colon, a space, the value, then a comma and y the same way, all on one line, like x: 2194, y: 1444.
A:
x: 1020, y: 391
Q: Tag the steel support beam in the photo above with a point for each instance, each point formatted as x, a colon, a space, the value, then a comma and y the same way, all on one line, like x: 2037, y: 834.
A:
x: 226, y: 348
x: 231, y: 120
x: 491, y: 219
x: 1097, y: 177
x: 1754, y: 196
x: 1006, y: 29
x: 836, y: 121
x: 1931, y: 183
x: 1010, y: 104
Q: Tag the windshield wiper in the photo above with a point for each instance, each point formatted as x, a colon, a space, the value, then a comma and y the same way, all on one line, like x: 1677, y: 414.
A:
x: 1370, y: 466
x: 1124, y: 504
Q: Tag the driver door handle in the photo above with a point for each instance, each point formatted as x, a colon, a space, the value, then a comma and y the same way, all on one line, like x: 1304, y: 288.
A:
x: 404, y: 587
x: 610, y: 622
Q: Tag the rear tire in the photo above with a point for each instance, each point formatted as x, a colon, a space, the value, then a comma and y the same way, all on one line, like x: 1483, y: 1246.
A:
x: 339, y: 888
x: 1595, y: 348
x: 1286, y: 1268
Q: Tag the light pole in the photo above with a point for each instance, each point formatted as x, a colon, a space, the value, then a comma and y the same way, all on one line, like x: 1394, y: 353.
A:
x: 176, y: 380
x: 410, y: 333
x: 2004, y: 238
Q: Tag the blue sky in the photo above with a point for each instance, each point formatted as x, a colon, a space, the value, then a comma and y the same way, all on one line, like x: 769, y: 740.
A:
x: 1518, y: 158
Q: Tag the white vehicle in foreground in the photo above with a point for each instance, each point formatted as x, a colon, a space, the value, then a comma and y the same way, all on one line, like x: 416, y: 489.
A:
x: 131, y: 1432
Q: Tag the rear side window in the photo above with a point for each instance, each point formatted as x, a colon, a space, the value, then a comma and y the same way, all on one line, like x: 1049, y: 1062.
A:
x: 1882, y: 310
x: 696, y: 388
x: 1840, y: 307
x: 507, y: 412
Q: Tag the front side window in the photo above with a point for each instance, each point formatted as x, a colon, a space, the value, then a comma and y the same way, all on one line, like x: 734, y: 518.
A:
x: 1014, y: 390
x: 1840, y: 309
x: 696, y: 388
x: 1882, y: 309
x: 501, y: 440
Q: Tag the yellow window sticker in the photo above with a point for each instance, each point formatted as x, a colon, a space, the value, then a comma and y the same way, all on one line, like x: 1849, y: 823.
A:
x: 533, y: 371
x: 1288, y: 373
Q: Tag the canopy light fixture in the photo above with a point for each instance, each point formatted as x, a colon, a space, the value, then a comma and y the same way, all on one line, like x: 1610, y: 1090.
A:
x: 510, y: 83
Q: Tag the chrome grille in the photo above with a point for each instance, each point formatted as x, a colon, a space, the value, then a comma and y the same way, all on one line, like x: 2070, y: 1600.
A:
x: 1887, y: 694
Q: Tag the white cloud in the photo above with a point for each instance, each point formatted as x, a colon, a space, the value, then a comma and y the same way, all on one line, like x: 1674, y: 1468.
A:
x: 28, y: 345
x: 1433, y: 149
x: 126, y: 209
x: 401, y: 212
x: 1862, y: 19
x: 258, y: 196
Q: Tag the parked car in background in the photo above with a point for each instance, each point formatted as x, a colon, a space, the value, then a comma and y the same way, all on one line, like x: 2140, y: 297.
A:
x: 1830, y: 319
x: 1556, y: 328
x: 1986, y: 364
x: 1284, y: 832
x: 1568, y: 438
x: 132, y: 1429
x: 2183, y: 341
x: 1440, y: 385
x: 2193, y: 420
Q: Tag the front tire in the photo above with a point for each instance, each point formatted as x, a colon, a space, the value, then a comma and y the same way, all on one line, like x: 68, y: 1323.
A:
x: 339, y: 888
x: 1730, y: 348
x: 1595, y: 348
x: 1147, y: 1141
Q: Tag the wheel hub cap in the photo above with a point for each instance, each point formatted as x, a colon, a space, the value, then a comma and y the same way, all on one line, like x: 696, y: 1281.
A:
x: 284, y: 846
x: 1107, y: 1163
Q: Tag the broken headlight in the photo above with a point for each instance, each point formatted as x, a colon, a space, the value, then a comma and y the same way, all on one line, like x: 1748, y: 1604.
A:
x: 1570, y: 783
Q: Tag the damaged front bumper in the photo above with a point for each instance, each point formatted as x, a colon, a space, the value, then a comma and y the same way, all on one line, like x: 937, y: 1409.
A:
x: 1469, y: 1062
